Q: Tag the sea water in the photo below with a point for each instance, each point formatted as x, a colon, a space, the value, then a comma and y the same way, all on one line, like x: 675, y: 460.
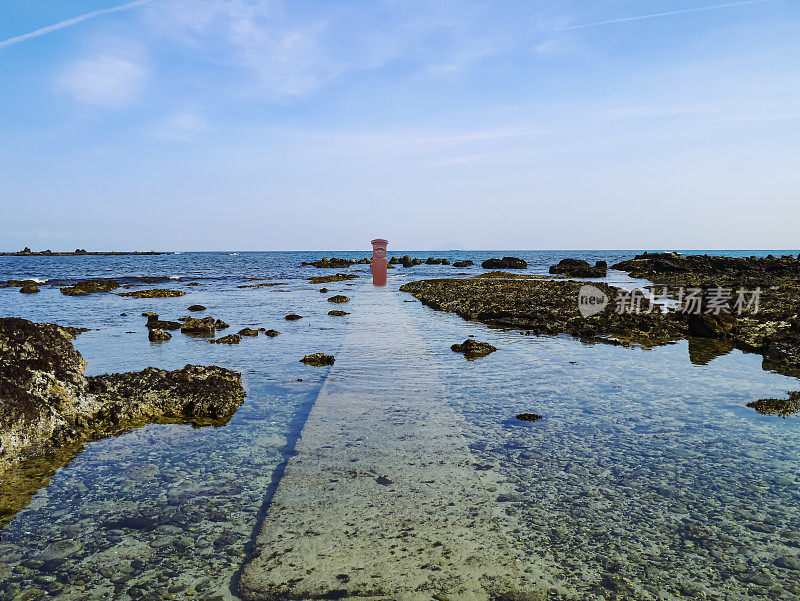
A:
x: 647, y: 477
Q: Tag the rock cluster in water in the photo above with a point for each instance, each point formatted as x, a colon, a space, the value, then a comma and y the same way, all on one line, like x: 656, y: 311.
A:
x: 472, y: 349
x: 505, y: 263
x: 339, y: 298
x: 317, y: 359
x: 27, y: 252
x: 86, y: 287
x: 153, y: 293
x: 47, y: 402
x: 337, y: 277
x: 334, y: 263
x: 578, y: 268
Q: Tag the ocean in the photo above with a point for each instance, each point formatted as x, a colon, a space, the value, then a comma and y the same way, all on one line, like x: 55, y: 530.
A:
x: 647, y: 477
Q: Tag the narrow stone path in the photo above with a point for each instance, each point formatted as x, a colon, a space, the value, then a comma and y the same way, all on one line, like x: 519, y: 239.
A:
x: 383, y: 499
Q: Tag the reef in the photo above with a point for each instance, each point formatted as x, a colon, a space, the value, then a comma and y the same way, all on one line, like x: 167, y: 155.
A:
x: 27, y: 252
x: 229, y: 339
x: 505, y: 263
x: 49, y: 407
x: 153, y: 293
x: 317, y: 359
x: 199, y: 327
x: 578, y: 268
x: 338, y: 277
x: 550, y: 307
x: 334, y: 263
x: 779, y: 407
x: 472, y: 349
x: 674, y: 269
x: 86, y: 287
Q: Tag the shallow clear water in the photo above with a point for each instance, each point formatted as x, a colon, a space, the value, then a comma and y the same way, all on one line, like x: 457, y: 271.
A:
x: 648, y: 474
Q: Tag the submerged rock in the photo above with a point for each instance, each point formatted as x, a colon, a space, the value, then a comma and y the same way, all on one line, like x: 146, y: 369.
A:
x: 338, y: 277
x: 199, y: 327
x: 292, y: 317
x: 47, y: 402
x: 339, y: 298
x: 196, y: 308
x: 779, y: 407
x: 87, y: 287
x: 153, y: 293
x: 504, y: 263
x: 528, y: 417
x: 229, y: 339
x: 337, y: 313
x: 317, y: 359
x: 473, y: 349
x: 578, y: 268
x: 158, y: 335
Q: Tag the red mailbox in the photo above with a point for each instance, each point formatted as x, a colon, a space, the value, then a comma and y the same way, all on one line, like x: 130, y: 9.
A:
x: 379, y: 261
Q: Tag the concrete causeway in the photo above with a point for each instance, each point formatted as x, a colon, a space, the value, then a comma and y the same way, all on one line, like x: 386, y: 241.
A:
x: 383, y: 499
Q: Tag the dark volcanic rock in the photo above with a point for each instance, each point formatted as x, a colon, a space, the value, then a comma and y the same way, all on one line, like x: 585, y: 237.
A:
x: 248, y: 332
x: 545, y: 307
x: 153, y: 323
x: 87, y: 287
x: 323, y: 290
x: 272, y: 333
x: 153, y: 293
x: 337, y: 313
x: 339, y: 298
x: 473, y: 349
x: 675, y: 269
x: 466, y: 263
x: 504, y: 263
x: 528, y: 417
x: 292, y: 317
x: 337, y: 277
x: 317, y: 359
x: 157, y: 335
x: 197, y: 308
x: 220, y: 325
x: 46, y: 402
x: 780, y: 407
x: 199, y: 327
x: 29, y: 289
x: 229, y: 339
x: 578, y: 268
x: 331, y: 262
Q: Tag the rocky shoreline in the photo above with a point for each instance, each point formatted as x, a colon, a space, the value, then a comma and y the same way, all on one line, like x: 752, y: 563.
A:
x: 548, y: 307
x: 47, y: 404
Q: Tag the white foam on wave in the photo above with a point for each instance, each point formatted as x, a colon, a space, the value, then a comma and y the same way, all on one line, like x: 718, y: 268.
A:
x: 175, y: 277
x: 38, y: 280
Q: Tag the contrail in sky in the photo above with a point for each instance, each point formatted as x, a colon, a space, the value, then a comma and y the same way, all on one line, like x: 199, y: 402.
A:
x: 70, y: 22
x: 666, y: 14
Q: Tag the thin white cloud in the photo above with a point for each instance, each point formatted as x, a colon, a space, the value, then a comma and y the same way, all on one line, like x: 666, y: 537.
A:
x: 70, y: 22
x: 105, y: 81
x: 664, y: 14
x: 180, y: 127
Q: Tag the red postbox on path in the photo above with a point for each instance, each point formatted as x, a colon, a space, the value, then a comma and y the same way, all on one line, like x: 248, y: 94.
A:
x: 379, y: 261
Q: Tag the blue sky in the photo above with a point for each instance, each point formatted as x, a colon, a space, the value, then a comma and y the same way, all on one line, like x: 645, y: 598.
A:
x: 267, y: 125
